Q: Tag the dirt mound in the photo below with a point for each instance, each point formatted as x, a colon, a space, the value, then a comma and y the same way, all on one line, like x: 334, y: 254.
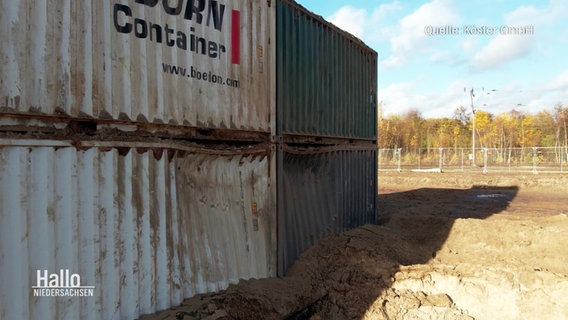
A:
x: 466, y: 250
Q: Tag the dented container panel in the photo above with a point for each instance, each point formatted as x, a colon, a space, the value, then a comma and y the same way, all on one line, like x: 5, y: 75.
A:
x: 198, y: 63
x: 146, y: 230
x: 326, y: 78
x: 321, y: 193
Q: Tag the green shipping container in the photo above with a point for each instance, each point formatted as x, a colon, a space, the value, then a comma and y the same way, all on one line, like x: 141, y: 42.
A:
x: 326, y: 78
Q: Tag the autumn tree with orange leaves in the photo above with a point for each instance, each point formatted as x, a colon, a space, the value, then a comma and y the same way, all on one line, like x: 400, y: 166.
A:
x: 513, y: 129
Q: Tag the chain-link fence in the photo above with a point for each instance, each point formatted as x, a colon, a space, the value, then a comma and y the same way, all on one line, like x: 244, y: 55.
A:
x: 528, y: 159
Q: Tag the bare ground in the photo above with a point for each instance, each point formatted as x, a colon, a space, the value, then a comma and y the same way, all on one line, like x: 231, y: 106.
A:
x: 448, y: 246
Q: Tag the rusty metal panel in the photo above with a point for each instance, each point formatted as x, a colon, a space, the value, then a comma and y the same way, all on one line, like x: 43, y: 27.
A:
x: 197, y: 63
x: 326, y: 78
x: 146, y: 229
x: 321, y: 192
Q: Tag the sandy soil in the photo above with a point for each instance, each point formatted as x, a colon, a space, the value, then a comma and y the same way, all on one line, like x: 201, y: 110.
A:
x: 448, y: 246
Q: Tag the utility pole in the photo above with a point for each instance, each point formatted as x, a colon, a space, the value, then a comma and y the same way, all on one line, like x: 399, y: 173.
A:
x: 471, y: 95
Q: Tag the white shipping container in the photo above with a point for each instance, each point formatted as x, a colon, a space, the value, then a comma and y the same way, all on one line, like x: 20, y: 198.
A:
x: 145, y: 231
x: 138, y: 148
x: 199, y: 63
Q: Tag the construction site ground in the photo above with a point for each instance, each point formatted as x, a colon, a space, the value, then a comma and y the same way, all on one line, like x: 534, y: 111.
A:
x: 447, y: 246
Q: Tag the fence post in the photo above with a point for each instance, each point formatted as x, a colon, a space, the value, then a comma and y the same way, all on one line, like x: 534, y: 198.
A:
x: 484, y: 160
x: 563, y: 151
x: 566, y: 151
x: 399, y: 153
x: 440, y: 156
x: 462, y: 159
x: 534, y: 160
x: 562, y: 157
x: 378, y: 159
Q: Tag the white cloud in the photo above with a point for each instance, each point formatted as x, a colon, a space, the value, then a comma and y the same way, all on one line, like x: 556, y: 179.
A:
x: 468, y: 45
x: 385, y: 9
x: 445, y: 57
x: 529, y: 15
x: 504, y: 48
x: 365, y: 25
x: 399, y: 98
x: 500, y: 50
x: 559, y: 83
x: 350, y: 19
x: 443, y: 104
x: 548, y: 94
x: 411, y: 38
x: 408, y: 41
x: 531, y: 99
x: 396, y: 98
x: 380, y: 26
x: 392, y: 61
x: 406, y: 37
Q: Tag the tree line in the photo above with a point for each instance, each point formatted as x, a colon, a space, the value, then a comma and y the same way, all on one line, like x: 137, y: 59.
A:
x: 513, y: 129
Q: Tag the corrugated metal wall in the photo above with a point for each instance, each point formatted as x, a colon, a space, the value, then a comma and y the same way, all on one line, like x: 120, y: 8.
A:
x: 326, y: 78
x: 69, y: 57
x: 147, y: 231
x: 104, y: 168
x: 326, y: 128
x: 322, y: 192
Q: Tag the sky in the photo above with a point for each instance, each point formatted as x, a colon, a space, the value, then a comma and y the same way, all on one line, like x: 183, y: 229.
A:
x: 513, y: 54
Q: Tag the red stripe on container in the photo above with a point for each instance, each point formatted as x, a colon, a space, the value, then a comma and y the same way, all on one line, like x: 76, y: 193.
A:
x: 236, y: 37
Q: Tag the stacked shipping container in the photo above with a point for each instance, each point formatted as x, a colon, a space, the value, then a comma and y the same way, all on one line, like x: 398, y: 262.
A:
x: 326, y: 123
x: 146, y: 232
x: 162, y: 149
x: 140, y: 61
x: 322, y: 191
x: 326, y: 78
